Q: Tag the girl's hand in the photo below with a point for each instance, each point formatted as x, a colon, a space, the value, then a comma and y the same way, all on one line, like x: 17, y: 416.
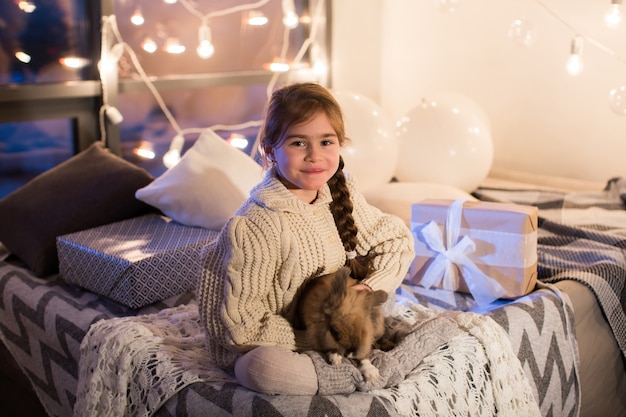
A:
x: 362, y: 287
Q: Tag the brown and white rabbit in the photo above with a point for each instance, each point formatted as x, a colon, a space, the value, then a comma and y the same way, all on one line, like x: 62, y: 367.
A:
x: 340, y: 321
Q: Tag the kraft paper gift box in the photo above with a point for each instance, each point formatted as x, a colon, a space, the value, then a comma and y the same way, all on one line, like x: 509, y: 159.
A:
x: 135, y: 262
x: 486, y: 249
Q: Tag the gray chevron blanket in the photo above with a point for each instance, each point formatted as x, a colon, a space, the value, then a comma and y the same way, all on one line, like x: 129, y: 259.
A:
x: 44, y: 322
x: 582, y: 237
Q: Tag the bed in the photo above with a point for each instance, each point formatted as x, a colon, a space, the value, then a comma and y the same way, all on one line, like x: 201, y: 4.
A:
x: 569, y: 333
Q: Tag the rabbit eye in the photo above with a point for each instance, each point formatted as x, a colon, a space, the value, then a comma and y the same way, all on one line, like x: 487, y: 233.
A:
x: 334, y: 333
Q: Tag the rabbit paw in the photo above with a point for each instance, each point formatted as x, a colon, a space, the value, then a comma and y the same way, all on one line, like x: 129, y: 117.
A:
x: 334, y: 358
x: 369, y: 371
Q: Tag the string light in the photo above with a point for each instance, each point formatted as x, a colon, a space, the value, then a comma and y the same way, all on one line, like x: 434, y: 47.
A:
x: 574, y: 62
x: 173, y: 46
x: 22, y: 57
x: 205, y: 48
x: 172, y: 156
x: 613, y: 16
x: 149, y: 45
x: 26, y: 6
x: 257, y: 18
x: 137, y: 18
x: 290, y: 18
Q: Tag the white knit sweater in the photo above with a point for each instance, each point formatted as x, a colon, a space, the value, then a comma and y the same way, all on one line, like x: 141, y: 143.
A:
x: 265, y: 252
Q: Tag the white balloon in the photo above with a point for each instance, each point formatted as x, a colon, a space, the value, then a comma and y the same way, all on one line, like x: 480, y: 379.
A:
x: 372, y: 153
x: 445, y: 139
x: 617, y: 100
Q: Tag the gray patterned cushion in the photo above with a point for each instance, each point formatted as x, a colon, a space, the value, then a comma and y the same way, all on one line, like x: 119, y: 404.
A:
x: 135, y: 262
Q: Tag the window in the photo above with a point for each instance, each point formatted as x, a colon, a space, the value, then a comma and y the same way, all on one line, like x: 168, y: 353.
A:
x: 51, y: 105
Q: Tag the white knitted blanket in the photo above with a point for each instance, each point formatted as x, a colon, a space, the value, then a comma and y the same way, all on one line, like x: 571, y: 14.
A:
x: 131, y: 366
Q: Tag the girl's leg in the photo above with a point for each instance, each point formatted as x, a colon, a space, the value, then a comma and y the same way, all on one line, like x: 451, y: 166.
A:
x: 277, y: 370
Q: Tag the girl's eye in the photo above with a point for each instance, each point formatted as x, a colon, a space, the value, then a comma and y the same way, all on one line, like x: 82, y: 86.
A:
x: 297, y: 143
x: 327, y: 142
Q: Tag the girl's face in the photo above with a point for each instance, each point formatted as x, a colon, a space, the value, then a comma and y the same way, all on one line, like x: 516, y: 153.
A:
x: 308, y: 157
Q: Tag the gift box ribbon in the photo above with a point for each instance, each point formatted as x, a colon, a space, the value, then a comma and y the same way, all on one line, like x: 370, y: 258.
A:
x: 455, y: 252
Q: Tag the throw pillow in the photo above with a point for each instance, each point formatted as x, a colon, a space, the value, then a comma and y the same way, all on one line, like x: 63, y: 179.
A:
x: 92, y: 188
x: 207, y: 186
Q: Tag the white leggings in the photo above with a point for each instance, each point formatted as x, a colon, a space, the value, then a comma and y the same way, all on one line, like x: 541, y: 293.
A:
x: 277, y: 370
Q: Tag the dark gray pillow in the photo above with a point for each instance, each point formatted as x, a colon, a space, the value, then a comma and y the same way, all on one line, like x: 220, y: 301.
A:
x: 93, y: 188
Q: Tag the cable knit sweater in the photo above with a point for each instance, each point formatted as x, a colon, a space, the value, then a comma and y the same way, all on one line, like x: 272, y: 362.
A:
x: 274, y: 242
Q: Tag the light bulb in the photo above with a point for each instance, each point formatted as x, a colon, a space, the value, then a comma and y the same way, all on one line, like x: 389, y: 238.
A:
x: 137, y: 17
x: 173, y: 46
x: 257, y: 18
x: 574, y: 62
x: 149, y: 45
x: 613, y: 16
x: 290, y: 18
x: 522, y: 31
x: 205, y: 48
x: 172, y: 156
x: 114, y: 115
x: 238, y: 141
x: 74, y: 62
x: 23, y: 57
x: 26, y: 6
x: 617, y: 100
x: 278, y: 66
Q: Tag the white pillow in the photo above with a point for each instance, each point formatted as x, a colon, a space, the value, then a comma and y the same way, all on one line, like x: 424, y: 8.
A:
x: 207, y: 186
x: 397, y: 197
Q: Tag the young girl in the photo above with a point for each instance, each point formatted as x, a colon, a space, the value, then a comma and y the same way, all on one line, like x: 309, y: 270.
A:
x: 304, y: 219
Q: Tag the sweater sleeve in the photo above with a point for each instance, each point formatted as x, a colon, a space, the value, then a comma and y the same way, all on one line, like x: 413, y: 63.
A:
x: 236, y: 288
x: 387, y: 236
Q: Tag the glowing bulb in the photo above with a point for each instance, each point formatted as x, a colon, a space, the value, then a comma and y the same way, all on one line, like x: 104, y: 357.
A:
x: 170, y: 1
x: 137, y: 17
x: 173, y: 46
x: 238, y: 141
x: 149, y: 45
x: 145, y: 150
x: 574, y: 62
x: 290, y: 18
x: 172, y: 156
x: 257, y: 18
x: 613, y: 16
x: 522, y: 31
x: 617, y: 100
x: 205, y: 48
x: 26, y: 6
x: 278, y: 66
x: 22, y: 57
x: 74, y: 62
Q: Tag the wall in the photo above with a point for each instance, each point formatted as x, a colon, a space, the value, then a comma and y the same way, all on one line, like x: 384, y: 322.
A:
x: 543, y: 120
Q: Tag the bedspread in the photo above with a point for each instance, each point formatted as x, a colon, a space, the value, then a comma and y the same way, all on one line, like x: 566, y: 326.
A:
x: 43, y: 323
x: 129, y: 366
x: 582, y: 237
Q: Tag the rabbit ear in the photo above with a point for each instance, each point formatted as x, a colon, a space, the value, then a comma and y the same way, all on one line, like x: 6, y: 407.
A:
x: 339, y: 283
x: 338, y: 290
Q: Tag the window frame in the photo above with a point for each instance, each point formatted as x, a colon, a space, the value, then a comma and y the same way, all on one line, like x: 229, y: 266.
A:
x: 80, y: 101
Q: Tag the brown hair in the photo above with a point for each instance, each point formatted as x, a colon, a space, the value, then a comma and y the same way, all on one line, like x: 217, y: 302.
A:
x: 297, y: 103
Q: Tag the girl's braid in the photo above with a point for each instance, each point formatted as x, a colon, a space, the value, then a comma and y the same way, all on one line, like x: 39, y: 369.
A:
x: 342, y: 207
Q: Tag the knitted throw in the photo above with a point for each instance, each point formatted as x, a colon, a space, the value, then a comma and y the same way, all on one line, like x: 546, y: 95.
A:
x: 449, y: 363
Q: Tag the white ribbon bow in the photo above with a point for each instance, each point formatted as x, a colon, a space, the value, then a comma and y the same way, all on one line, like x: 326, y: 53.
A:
x: 483, y: 288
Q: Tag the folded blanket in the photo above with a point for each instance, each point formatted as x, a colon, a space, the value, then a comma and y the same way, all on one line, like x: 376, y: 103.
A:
x: 131, y: 366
